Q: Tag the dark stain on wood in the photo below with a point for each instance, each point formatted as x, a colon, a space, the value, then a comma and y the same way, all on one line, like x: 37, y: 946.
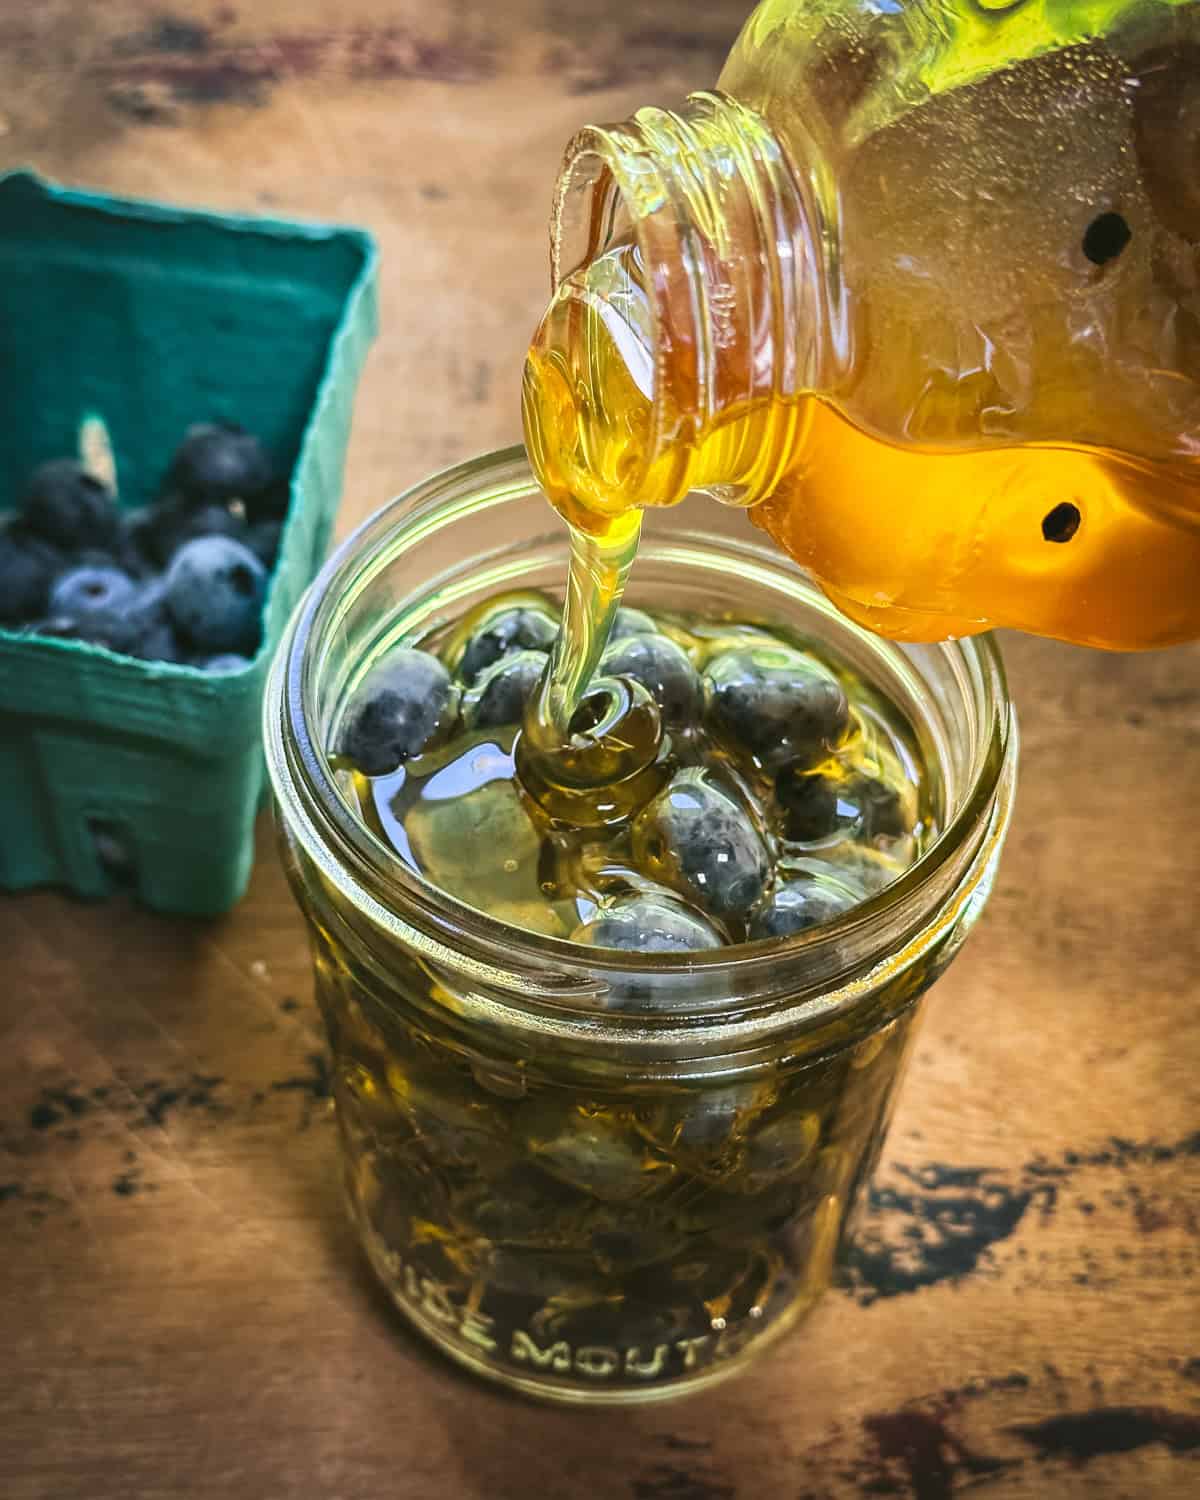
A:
x: 150, y: 73
x: 1082, y: 1436
x: 56, y: 1105
x: 912, y: 1240
x: 638, y: 56
x: 667, y: 1483
x: 940, y: 1222
x: 918, y: 1454
x: 317, y: 1082
x: 154, y: 1099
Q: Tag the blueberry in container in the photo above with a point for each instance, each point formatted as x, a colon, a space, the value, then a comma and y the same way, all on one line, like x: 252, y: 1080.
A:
x: 150, y: 318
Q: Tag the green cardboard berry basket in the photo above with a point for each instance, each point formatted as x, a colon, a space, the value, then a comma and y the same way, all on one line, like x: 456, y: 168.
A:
x: 151, y: 318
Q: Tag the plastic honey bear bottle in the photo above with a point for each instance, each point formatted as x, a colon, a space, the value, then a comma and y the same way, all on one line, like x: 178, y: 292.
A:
x: 920, y: 284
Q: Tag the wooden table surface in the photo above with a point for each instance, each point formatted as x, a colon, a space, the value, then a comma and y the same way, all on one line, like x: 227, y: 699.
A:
x: 185, y: 1311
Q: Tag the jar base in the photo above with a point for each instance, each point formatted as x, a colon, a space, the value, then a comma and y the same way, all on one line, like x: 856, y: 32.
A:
x: 434, y: 1328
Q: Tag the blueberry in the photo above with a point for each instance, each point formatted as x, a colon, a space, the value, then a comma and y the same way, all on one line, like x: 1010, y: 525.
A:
x: 664, y: 670
x: 631, y: 1243
x: 218, y: 462
x: 97, y: 557
x: 881, y: 810
x: 158, y: 642
x: 865, y: 866
x: 215, y: 590
x: 405, y: 702
x: 162, y: 528
x: 783, y: 706
x: 522, y: 1205
x: 695, y: 838
x: 816, y: 806
x: 157, y: 639
x: 209, y: 520
x: 136, y: 547
x: 631, y: 622
x: 502, y: 690
x: 548, y: 1277
x: 27, y: 569
x: 701, y: 1126
x: 227, y: 661
x: 589, y: 1149
x: 797, y: 905
x: 454, y: 1124
x: 131, y: 550
x: 509, y: 629
x: 92, y: 590
x: 263, y: 540
x: 269, y: 504
x: 779, y: 1151
x: 648, y: 924
x: 117, y: 632
x: 150, y: 605
x: 69, y: 507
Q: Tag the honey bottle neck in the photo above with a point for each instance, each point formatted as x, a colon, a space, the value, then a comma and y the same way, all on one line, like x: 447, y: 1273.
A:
x: 691, y: 310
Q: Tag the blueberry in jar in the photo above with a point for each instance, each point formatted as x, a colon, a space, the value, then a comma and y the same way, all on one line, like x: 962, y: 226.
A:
x: 501, y: 691
x: 776, y: 702
x: 405, y: 702
x: 797, y: 905
x: 882, y: 811
x: 817, y: 806
x: 697, y: 839
x: 514, y: 628
x: 589, y: 1148
x: 648, y: 924
x: 630, y: 621
x: 663, y: 669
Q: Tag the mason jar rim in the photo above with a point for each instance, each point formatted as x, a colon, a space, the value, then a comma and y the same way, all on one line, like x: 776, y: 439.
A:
x: 554, y: 971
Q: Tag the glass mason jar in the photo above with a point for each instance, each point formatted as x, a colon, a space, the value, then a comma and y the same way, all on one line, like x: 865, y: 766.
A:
x: 594, y: 1175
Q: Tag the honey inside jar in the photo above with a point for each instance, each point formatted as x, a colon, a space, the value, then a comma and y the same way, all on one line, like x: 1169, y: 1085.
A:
x: 722, y: 781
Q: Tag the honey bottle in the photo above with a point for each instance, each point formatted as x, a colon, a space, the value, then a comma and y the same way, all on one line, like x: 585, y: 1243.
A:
x: 918, y: 284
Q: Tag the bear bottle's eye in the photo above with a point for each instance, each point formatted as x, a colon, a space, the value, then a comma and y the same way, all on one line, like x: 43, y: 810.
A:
x: 1061, y: 523
x: 1105, y: 237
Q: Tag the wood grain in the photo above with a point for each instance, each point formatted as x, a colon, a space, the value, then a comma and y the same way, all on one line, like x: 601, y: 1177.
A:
x: 186, y: 1313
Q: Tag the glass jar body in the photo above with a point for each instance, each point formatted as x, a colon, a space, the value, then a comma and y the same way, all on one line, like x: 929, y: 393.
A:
x: 591, y: 1232
x: 596, y: 1176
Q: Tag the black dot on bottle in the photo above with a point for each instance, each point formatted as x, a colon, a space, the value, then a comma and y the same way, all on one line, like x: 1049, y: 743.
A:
x: 1061, y: 523
x: 1105, y: 237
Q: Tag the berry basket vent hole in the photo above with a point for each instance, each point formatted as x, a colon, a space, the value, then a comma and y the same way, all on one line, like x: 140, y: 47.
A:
x: 112, y: 844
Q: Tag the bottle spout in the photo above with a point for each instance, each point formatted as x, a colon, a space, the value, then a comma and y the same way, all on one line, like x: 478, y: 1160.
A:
x: 687, y: 310
x: 589, y: 389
